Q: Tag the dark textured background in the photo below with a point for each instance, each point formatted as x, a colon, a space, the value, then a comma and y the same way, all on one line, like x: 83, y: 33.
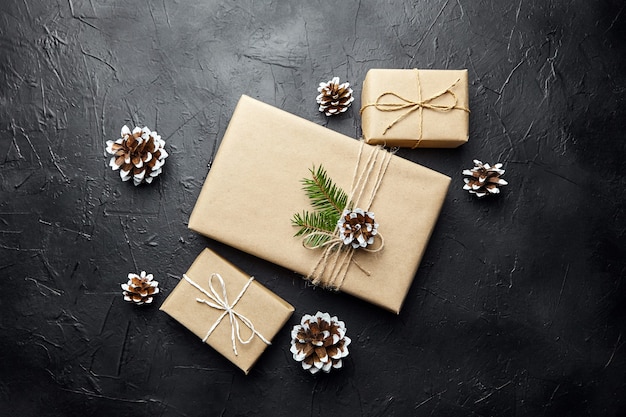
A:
x: 518, y: 308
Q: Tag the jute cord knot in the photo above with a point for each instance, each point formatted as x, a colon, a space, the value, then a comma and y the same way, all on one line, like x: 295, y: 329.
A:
x: 418, y: 105
x: 220, y: 302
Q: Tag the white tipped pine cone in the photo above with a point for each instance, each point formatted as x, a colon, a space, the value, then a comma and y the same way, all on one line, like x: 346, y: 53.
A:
x: 139, y: 154
x: 334, y: 98
x: 140, y: 289
x: 319, y: 342
x: 357, y: 228
x: 484, y: 179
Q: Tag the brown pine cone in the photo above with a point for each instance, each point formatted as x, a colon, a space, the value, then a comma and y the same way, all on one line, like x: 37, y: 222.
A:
x: 357, y: 228
x: 484, y: 179
x: 140, y: 289
x: 334, y: 98
x: 139, y: 154
x: 319, y: 342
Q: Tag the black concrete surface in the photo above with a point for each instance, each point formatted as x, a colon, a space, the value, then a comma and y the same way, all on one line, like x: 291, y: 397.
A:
x: 518, y: 308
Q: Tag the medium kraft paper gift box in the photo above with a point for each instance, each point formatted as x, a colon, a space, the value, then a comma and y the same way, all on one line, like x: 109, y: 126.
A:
x: 415, y: 108
x: 254, y: 188
x: 263, y: 309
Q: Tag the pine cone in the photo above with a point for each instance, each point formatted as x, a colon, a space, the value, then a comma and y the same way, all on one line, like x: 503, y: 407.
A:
x: 357, y: 227
x: 140, y: 289
x: 319, y: 342
x: 484, y: 179
x: 139, y: 154
x: 334, y: 98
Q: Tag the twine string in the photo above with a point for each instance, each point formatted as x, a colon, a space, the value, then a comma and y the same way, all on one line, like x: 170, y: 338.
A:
x: 360, y: 181
x: 419, y: 105
x: 220, y: 302
x: 332, y: 267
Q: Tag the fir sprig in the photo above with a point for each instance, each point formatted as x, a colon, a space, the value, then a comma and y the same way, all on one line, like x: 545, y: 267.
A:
x: 325, y: 196
x: 318, y: 223
x: 329, y: 202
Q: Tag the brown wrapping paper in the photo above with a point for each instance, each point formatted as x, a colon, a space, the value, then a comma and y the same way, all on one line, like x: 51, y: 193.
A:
x: 253, y: 189
x: 267, y: 312
x: 439, y: 129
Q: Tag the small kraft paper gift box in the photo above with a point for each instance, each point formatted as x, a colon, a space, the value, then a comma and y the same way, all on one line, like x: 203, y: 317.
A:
x: 227, y: 309
x: 254, y: 188
x: 414, y: 108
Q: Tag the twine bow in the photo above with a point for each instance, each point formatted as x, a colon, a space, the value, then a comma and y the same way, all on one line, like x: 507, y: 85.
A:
x: 418, y: 105
x: 336, y: 258
x: 221, y: 303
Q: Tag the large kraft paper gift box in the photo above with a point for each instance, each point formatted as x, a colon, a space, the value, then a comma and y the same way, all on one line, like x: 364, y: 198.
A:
x: 254, y: 188
x: 254, y: 308
x: 415, y: 108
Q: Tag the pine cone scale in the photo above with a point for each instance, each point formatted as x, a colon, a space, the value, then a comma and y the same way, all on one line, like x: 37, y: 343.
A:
x: 136, y: 160
x: 321, y: 354
x: 336, y: 352
x: 119, y: 160
x: 332, y: 351
x: 309, y: 360
x: 307, y: 349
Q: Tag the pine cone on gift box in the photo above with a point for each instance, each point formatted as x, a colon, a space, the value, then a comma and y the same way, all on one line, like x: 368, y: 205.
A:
x: 357, y: 228
x: 319, y: 342
x: 484, y: 179
x: 334, y: 98
x: 139, y: 154
x: 140, y: 289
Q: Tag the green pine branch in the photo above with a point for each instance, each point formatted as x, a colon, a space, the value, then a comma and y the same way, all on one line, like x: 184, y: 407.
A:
x: 312, y: 223
x: 325, y: 196
x: 328, y: 200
